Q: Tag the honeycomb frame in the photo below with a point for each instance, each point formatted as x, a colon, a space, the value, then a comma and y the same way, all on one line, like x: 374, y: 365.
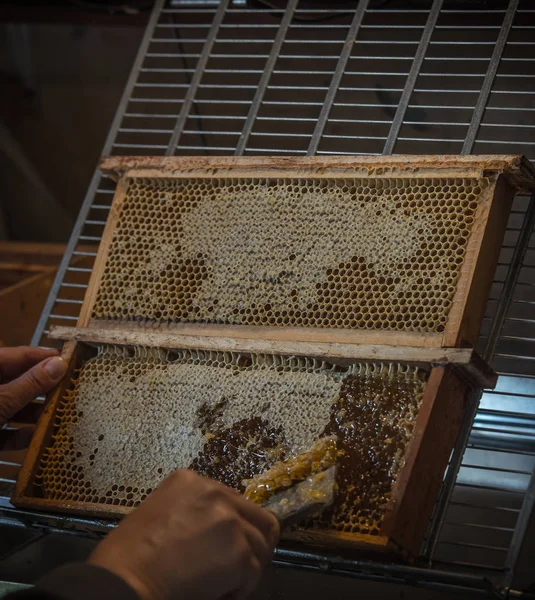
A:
x: 441, y: 410
x: 448, y: 388
x: 359, y: 302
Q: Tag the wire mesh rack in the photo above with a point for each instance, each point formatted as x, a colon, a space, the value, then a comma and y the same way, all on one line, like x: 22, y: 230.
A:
x: 426, y: 77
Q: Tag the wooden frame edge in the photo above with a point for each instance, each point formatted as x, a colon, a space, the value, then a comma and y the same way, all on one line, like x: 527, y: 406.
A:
x: 445, y: 400
x: 31, y: 459
x: 102, y: 253
x: 341, y: 539
x: 486, y: 261
x: 452, y: 335
x: 279, y: 334
x: 400, y: 487
x: 516, y: 168
x: 463, y: 358
x: 94, y: 510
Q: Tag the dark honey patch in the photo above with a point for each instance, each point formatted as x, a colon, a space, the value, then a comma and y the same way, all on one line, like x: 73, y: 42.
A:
x: 372, y: 438
x: 232, y: 454
x: 372, y: 419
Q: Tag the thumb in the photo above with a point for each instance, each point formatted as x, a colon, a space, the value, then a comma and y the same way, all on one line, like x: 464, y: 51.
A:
x: 38, y: 380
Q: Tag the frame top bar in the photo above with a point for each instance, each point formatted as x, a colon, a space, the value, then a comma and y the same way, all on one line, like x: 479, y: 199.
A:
x: 518, y: 170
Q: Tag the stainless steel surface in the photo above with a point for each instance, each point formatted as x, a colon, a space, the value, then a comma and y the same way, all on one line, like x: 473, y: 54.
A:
x: 266, y: 76
x: 488, y: 82
x: 412, y: 77
x: 408, y: 77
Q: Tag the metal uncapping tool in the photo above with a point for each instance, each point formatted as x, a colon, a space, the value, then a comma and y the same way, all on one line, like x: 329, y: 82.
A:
x: 305, y: 499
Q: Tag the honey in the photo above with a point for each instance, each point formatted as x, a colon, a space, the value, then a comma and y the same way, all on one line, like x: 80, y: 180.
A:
x: 372, y: 419
x: 349, y: 253
x: 283, y: 474
x: 131, y: 417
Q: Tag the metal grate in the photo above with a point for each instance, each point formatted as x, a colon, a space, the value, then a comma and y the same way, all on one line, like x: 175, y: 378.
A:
x: 402, y: 77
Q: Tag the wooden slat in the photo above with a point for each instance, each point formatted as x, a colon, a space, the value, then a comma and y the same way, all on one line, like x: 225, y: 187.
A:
x: 516, y: 168
x: 370, y: 544
x: 280, y: 334
x: 31, y: 253
x: 464, y: 358
x: 464, y: 321
x: 20, y: 307
x: 25, y: 490
x: 416, y: 490
x: 100, y: 261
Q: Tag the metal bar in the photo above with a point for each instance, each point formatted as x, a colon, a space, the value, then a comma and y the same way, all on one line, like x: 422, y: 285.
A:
x: 337, y: 152
x: 337, y: 76
x: 93, y: 186
x: 478, y: 526
x: 266, y: 76
x: 472, y: 545
x: 511, y: 279
x: 413, y: 76
x: 488, y: 82
x: 451, y: 476
x: 482, y: 141
x: 520, y: 530
x: 74, y: 285
x: 483, y: 507
x: 196, y: 79
x: 332, y: 563
x: 497, y: 324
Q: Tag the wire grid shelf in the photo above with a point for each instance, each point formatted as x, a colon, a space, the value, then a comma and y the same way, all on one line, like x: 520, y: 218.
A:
x: 426, y: 77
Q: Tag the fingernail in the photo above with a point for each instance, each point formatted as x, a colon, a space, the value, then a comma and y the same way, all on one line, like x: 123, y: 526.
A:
x: 55, y: 367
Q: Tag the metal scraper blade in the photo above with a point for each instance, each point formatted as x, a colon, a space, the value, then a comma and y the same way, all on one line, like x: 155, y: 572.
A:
x: 305, y: 499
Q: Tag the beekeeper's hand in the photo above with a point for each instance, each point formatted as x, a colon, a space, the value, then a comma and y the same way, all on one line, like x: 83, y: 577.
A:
x: 25, y: 373
x: 193, y: 539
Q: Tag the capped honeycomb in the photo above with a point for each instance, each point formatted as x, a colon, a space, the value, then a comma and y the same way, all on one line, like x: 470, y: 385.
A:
x: 352, y: 253
x: 131, y: 417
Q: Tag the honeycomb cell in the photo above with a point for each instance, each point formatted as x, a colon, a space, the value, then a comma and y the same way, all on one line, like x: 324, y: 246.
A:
x: 132, y: 416
x: 222, y: 250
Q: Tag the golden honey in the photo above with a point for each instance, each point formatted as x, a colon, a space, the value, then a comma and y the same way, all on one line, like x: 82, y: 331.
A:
x: 131, y: 417
x: 352, y: 253
x: 284, y: 474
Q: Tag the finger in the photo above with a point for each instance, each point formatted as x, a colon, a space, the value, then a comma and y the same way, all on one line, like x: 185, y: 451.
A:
x: 262, y: 519
x: 38, y: 380
x: 16, y: 439
x: 260, y: 546
x: 15, y: 361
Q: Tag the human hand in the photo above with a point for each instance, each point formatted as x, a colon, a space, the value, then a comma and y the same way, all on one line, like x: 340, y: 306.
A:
x: 193, y: 539
x: 25, y: 373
